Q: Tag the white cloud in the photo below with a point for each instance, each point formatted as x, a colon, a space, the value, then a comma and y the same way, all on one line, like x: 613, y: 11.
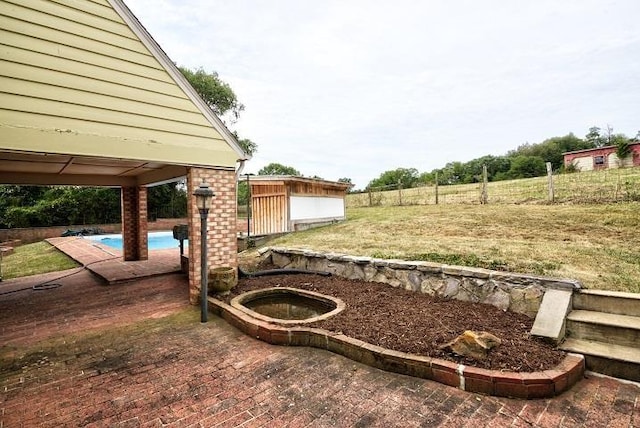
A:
x: 353, y: 88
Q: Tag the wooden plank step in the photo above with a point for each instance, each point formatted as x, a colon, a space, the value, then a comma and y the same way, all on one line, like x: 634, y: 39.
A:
x: 602, y: 327
x: 601, y: 349
x: 614, y: 302
x: 616, y: 320
x: 613, y: 360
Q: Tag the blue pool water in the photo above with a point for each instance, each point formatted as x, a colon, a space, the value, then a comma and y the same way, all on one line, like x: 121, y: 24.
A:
x: 157, y: 240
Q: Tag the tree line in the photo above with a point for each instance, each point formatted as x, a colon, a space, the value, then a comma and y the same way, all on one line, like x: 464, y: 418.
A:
x: 527, y: 160
x: 40, y: 206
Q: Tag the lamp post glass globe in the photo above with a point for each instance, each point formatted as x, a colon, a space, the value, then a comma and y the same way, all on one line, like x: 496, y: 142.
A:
x: 203, y: 196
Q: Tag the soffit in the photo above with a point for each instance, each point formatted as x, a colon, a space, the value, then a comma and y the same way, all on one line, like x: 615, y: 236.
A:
x: 46, y: 168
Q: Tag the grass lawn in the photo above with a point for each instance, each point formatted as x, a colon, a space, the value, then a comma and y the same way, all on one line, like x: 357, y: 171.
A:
x: 32, y: 259
x: 596, y: 244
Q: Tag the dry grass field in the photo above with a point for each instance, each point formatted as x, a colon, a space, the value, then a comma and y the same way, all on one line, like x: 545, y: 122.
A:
x: 609, y: 185
x: 596, y: 244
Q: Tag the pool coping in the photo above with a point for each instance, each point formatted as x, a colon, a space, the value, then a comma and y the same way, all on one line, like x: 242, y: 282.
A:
x: 525, y: 385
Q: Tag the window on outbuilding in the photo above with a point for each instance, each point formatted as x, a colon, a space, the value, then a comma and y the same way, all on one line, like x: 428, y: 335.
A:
x: 598, y: 161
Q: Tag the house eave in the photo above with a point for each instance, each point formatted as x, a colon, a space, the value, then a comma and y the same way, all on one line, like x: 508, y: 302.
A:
x: 149, y: 42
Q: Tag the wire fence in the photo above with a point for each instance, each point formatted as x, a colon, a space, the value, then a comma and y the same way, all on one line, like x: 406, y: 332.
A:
x: 611, y: 185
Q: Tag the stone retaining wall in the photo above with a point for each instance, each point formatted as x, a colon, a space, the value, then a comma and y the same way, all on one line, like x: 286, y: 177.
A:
x: 508, y: 291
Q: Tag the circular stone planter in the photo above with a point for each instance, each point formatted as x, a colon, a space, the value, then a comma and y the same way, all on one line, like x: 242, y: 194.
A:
x: 295, y: 306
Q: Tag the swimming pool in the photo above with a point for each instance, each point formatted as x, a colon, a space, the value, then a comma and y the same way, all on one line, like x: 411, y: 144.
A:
x: 157, y: 240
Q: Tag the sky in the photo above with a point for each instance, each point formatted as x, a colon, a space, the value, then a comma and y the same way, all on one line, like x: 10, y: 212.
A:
x: 351, y: 88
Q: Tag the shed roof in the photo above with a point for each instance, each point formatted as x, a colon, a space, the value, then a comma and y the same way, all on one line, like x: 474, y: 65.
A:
x: 88, y: 97
x: 267, y: 179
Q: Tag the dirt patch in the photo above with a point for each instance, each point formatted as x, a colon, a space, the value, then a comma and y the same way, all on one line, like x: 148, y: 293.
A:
x: 416, y: 323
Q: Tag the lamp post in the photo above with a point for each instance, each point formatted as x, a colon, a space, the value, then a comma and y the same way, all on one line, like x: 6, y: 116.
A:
x: 203, y: 196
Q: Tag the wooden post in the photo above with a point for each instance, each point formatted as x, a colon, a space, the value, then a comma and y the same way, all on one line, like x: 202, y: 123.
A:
x: 248, y: 209
x: 370, y: 198
x: 436, y: 188
x: 400, y: 192
x: 484, y: 195
x: 550, y: 182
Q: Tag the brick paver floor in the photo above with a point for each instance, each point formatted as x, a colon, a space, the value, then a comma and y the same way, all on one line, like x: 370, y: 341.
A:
x: 135, y: 354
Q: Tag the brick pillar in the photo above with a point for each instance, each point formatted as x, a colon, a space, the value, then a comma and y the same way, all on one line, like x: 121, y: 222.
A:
x: 134, y: 223
x: 222, y: 240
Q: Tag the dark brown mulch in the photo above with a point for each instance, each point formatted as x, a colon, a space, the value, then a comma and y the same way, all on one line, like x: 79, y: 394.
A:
x: 416, y: 323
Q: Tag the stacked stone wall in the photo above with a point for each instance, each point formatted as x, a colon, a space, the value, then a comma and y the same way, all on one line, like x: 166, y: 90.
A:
x: 508, y: 291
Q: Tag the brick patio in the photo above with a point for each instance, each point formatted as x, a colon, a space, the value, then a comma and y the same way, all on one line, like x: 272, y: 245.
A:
x: 135, y: 354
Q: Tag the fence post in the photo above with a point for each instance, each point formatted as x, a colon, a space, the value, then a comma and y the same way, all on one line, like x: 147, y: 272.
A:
x: 550, y: 182
x: 370, y: 198
x: 484, y: 195
x: 436, y: 189
x: 400, y: 192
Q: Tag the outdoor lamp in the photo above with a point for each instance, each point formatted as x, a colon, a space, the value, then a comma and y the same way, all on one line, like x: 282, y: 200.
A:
x: 203, y: 196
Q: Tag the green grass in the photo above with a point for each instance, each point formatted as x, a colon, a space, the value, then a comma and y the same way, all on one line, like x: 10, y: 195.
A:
x: 596, y: 244
x: 33, y: 259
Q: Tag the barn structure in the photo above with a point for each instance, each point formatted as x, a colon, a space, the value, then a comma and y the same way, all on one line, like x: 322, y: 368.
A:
x: 288, y: 203
x: 88, y: 98
x: 602, y: 158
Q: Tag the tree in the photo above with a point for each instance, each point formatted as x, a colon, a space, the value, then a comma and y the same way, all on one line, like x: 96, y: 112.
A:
x: 278, y: 169
x: 243, y: 192
x: 594, y: 137
x: 407, y: 177
x: 347, y: 180
x: 605, y: 138
x: 527, y: 166
x: 247, y: 145
x: 552, y: 149
x: 623, y: 150
x: 167, y: 200
x: 219, y: 96
x: 216, y: 93
x: 452, y: 173
x: 63, y: 206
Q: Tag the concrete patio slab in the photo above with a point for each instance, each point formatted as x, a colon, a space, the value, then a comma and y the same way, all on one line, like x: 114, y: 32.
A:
x: 108, y: 264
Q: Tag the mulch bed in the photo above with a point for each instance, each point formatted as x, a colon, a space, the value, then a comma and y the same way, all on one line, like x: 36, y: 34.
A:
x: 416, y: 323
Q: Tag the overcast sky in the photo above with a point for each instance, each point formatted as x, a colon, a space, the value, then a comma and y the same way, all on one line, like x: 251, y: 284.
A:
x: 352, y: 88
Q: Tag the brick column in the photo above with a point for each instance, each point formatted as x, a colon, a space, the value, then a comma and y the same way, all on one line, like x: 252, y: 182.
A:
x: 134, y: 223
x: 221, y: 224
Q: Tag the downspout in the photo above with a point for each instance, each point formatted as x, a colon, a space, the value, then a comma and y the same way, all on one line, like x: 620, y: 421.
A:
x: 238, y: 173
x: 240, y: 168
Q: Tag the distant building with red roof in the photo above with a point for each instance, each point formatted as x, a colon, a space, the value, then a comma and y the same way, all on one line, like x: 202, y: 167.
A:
x: 602, y: 158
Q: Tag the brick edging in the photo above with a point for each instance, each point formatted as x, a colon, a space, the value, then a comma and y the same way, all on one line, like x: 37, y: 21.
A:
x: 542, y: 384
